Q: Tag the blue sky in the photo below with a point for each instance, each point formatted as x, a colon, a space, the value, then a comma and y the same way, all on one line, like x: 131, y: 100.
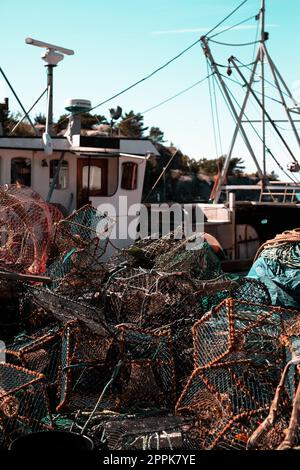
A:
x: 116, y: 43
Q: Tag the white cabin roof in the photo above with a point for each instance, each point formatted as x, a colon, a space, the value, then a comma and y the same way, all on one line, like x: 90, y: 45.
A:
x: 85, y: 144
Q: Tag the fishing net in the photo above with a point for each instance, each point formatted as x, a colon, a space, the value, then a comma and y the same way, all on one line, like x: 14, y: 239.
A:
x: 277, y: 265
x: 238, y: 359
x: 23, y: 402
x: 27, y: 227
x: 284, y: 249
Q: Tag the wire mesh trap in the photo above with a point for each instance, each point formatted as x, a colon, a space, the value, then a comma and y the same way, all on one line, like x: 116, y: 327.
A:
x: 80, y: 228
x: 116, y: 343
x: 24, y: 404
x: 81, y: 240
x: 280, y: 429
x: 144, y: 252
x: 85, y: 368
x: 199, y: 262
x: 147, y: 298
x: 64, y: 309
x: 27, y: 227
x: 146, y: 376
x: 39, y: 352
x: 238, y: 359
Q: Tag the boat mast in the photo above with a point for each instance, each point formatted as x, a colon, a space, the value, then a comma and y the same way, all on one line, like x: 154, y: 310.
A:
x: 262, y: 58
x: 237, y: 117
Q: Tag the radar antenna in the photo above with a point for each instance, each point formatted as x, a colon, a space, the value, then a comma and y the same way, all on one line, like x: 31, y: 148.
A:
x: 52, y: 56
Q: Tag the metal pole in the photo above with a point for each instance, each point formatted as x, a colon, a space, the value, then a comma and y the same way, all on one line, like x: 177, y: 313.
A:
x: 262, y: 58
x: 18, y: 100
x: 89, y: 177
x: 55, y: 178
x: 235, y: 134
x: 208, y: 54
x: 282, y: 97
x: 161, y: 175
x: 49, y: 128
x: 232, y: 61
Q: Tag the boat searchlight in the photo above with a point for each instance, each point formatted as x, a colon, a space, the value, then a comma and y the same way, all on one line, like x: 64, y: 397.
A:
x: 52, y: 56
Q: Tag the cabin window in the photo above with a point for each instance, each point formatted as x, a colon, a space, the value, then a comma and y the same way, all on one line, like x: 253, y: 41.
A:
x: 129, y: 175
x: 21, y: 171
x: 63, y: 177
x: 95, y: 177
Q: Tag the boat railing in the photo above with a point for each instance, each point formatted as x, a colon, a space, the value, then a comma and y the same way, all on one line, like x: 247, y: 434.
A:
x: 272, y: 193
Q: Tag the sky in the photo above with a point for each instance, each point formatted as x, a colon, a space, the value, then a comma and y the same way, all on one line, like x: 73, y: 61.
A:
x: 117, y: 43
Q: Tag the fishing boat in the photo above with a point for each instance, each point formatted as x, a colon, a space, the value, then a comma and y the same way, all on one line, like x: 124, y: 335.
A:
x: 72, y: 170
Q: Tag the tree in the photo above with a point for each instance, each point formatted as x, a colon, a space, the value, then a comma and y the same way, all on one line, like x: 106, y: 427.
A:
x: 156, y: 135
x: 88, y: 120
x: 212, y: 167
x: 132, y: 125
x: 40, y: 119
x: 62, y: 123
x: 9, y: 122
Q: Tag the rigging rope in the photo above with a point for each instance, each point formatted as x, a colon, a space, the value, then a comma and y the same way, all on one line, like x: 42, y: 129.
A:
x: 212, y: 111
x: 170, y: 98
x: 231, y: 27
x: 234, y: 120
x: 138, y: 81
x: 294, y: 180
x: 164, y: 65
x: 226, y: 18
x: 217, y: 115
x: 234, y: 44
x: 239, y: 66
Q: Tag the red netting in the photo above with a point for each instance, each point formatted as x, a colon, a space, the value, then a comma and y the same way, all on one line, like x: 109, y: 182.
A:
x: 26, y: 229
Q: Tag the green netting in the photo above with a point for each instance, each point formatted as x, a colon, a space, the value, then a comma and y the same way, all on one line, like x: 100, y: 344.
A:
x: 200, y: 262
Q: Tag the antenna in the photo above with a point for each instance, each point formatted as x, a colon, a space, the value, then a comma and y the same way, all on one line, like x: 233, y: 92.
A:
x: 52, y: 56
x: 46, y: 45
